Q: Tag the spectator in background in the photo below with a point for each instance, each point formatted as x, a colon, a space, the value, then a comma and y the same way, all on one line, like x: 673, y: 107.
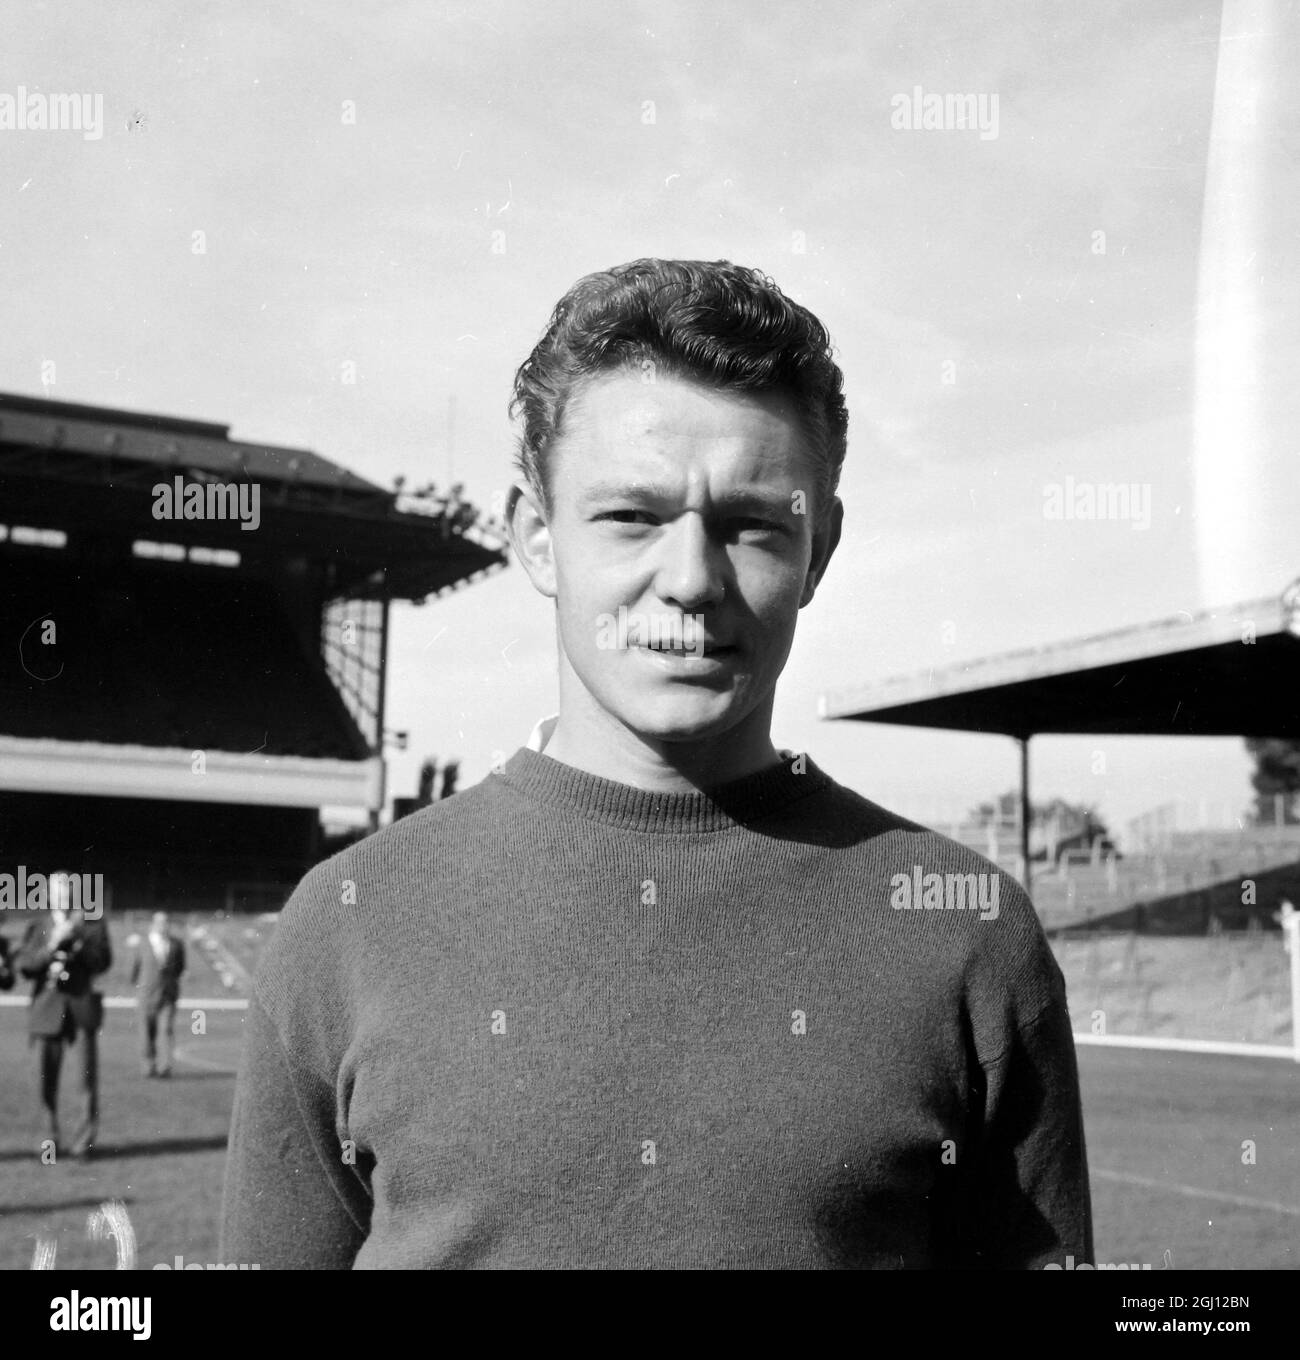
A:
x: 6, y: 966
x: 62, y: 955
x: 156, y: 974
x: 1285, y: 915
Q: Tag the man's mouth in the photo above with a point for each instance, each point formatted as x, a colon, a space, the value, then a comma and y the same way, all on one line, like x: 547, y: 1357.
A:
x: 709, y: 651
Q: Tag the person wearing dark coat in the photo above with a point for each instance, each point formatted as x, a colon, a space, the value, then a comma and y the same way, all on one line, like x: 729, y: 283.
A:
x: 6, y: 966
x: 62, y: 954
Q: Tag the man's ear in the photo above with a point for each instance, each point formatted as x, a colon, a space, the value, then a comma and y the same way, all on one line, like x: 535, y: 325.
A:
x: 826, y: 538
x: 530, y: 536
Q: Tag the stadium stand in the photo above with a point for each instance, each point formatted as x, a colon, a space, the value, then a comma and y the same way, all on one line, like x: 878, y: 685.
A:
x: 179, y: 697
x: 1224, y: 672
x: 227, y: 670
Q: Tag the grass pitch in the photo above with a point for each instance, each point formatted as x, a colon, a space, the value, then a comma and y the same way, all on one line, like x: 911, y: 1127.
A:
x: 1195, y: 1158
x: 161, y: 1152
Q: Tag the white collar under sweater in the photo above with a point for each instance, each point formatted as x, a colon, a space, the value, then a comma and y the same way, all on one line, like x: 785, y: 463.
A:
x: 541, y: 734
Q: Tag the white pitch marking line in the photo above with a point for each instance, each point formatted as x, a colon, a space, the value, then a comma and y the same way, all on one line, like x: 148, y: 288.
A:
x: 128, y: 1003
x: 183, y: 1055
x: 1187, y: 1045
x: 1194, y: 1191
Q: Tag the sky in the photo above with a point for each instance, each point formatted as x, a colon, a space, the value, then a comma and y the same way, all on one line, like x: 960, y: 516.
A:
x: 287, y: 194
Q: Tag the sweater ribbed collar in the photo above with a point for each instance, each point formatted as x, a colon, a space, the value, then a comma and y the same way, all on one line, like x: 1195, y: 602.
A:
x: 739, y: 802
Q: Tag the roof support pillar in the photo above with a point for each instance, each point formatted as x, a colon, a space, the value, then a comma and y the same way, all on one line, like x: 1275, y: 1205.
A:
x: 381, y: 712
x: 1025, y: 816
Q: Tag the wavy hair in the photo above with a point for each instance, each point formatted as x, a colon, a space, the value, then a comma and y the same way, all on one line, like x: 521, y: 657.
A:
x: 715, y: 322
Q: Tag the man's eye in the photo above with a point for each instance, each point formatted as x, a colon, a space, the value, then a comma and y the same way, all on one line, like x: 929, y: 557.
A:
x: 758, y: 526
x: 628, y: 516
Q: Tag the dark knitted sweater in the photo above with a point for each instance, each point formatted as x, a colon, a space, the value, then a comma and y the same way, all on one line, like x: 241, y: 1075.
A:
x: 556, y: 1021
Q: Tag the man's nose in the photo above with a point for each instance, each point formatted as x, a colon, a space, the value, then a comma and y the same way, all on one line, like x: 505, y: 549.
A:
x: 691, y: 567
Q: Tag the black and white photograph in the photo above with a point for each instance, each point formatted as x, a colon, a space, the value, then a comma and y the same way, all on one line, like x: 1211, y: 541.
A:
x: 651, y: 636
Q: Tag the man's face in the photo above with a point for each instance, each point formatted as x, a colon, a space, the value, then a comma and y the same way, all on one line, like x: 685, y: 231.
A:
x: 160, y: 922
x: 672, y: 501
x: 60, y: 893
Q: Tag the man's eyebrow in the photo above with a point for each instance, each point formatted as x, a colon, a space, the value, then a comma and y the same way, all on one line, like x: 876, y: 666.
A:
x: 739, y: 498
x: 754, y: 498
x: 613, y: 491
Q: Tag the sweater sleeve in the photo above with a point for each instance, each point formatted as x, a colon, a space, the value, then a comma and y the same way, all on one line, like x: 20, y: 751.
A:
x: 290, y: 1201
x: 1032, y: 1185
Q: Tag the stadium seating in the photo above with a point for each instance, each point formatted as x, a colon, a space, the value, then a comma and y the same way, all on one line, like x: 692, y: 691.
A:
x: 164, y: 654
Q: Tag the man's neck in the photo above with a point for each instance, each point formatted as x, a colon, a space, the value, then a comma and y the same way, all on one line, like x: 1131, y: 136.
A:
x: 598, y: 743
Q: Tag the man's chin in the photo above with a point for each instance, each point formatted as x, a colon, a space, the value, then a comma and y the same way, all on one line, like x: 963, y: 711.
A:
x: 691, y: 720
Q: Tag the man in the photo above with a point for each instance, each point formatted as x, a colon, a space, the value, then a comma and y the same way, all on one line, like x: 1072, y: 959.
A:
x: 63, y: 954
x: 156, y: 972
x: 645, y: 997
x: 6, y: 966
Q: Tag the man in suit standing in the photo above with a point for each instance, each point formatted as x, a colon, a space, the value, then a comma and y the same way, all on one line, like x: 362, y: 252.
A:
x: 6, y: 966
x: 156, y: 971
x: 62, y: 955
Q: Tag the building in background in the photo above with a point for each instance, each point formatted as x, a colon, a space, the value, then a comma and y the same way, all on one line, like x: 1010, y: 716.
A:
x: 195, y: 645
